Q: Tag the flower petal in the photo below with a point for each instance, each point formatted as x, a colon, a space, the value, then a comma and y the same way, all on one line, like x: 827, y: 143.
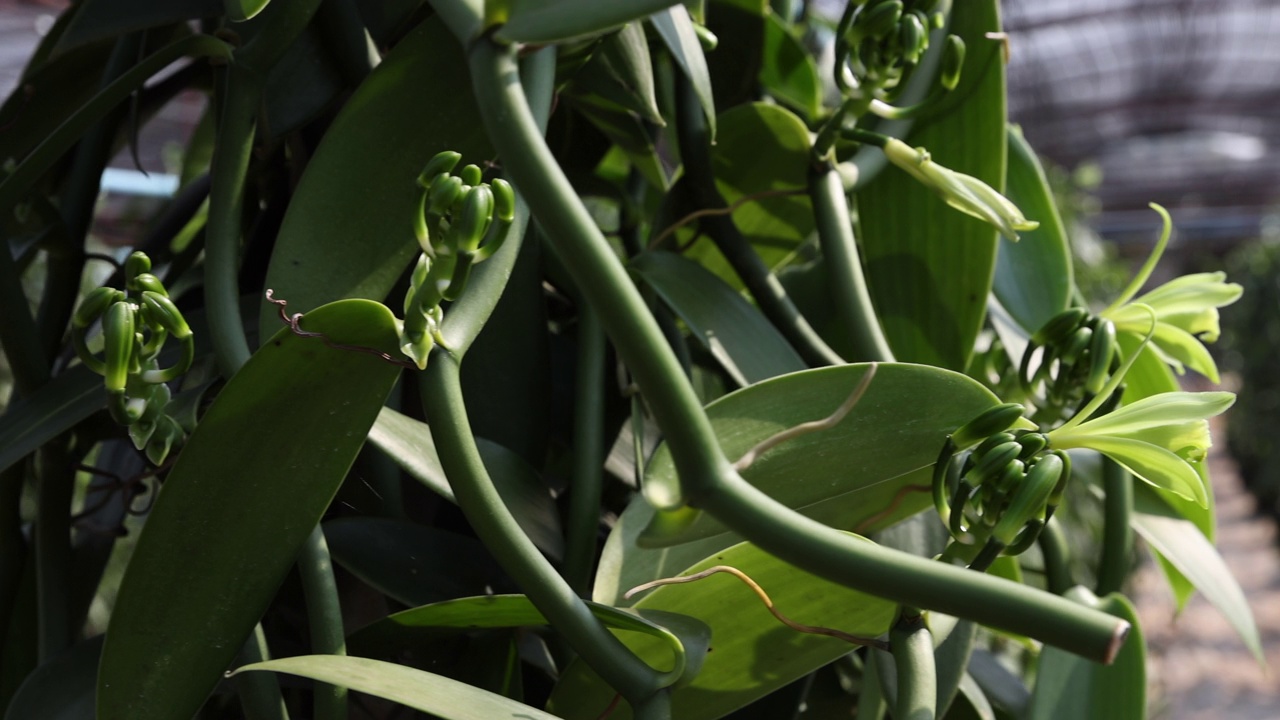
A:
x: 1154, y: 465
x: 1184, y: 348
x: 1192, y: 293
x: 1170, y: 408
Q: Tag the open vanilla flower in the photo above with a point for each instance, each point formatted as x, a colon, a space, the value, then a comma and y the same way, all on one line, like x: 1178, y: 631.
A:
x: 1155, y: 438
x: 1186, y: 311
x: 963, y: 192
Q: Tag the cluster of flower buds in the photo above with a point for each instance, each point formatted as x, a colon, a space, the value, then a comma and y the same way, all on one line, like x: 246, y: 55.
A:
x: 882, y: 40
x: 1077, y: 355
x: 996, y: 483
x: 461, y: 221
x: 136, y: 324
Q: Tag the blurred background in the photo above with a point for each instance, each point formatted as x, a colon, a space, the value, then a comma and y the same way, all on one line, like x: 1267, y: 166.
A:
x: 1128, y: 102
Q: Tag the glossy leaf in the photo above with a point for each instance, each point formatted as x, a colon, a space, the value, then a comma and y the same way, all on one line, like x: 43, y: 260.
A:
x: 52, y: 410
x: 761, y: 163
x: 417, y: 689
x: 870, y: 470
x: 752, y: 652
x: 748, y: 347
x: 1033, y: 276
x: 241, y: 10
x: 929, y: 267
x: 788, y: 72
x: 683, y: 638
x: 62, y: 688
x: 1185, y: 547
x: 675, y: 27
x: 620, y: 72
x: 1069, y: 687
x: 409, y: 443
x: 249, y: 487
x: 107, y: 19
x: 549, y: 21
x: 348, y: 231
x: 412, y: 564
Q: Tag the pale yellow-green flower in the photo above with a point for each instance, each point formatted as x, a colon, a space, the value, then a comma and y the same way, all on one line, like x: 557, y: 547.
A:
x: 1155, y: 438
x: 963, y: 192
x: 1186, y: 311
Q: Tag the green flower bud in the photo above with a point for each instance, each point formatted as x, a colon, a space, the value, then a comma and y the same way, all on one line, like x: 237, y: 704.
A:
x: 471, y: 175
x: 952, y: 62
x: 1029, y: 499
x: 912, y: 37
x: 443, y: 162
x: 94, y: 304
x: 990, y: 422
x: 159, y: 311
x: 118, y: 332
x: 879, y: 20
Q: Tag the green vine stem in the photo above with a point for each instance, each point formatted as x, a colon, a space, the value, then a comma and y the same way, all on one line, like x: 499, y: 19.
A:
x: 871, y: 704
x: 259, y: 693
x: 497, y: 528
x: 764, y: 286
x: 1117, y: 534
x: 324, y: 620
x: 588, y: 453
x: 237, y: 121
x: 708, y: 480
x: 912, y: 646
x: 1057, y: 560
x: 844, y: 266
x: 53, y: 548
x: 13, y: 546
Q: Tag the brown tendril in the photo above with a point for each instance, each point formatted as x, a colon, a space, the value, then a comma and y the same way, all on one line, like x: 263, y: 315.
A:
x: 706, y: 212
x: 294, y: 323
x: 768, y: 603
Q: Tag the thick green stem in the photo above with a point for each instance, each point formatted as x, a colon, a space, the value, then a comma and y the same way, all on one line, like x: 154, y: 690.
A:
x: 1117, y: 534
x: 844, y: 266
x: 324, y: 620
x: 492, y: 521
x: 230, y: 165
x: 707, y: 478
x: 871, y: 704
x: 912, y: 646
x: 764, y: 286
x: 588, y: 456
x: 259, y: 693
x: 1057, y: 560
x: 53, y: 548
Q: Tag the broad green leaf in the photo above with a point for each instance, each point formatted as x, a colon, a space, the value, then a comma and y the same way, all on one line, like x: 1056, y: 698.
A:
x: 1185, y: 547
x: 788, y: 72
x: 408, y: 442
x: 62, y: 688
x: 735, y: 63
x: 682, y: 638
x: 870, y: 470
x: 301, y: 85
x: 349, y: 229
x: 53, y: 409
x: 413, y: 564
x: 1033, y: 276
x: 108, y: 19
x: 752, y: 652
x: 241, y: 10
x: 1069, y: 687
x: 998, y: 684
x: 761, y: 163
x: 549, y: 21
x: 625, y: 130
x: 675, y: 27
x: 748, y: 347
x: 979, y: 707
x: 929, y: 267
x: 417, y: 689
x: 620, y: 74
x: 249, y: 487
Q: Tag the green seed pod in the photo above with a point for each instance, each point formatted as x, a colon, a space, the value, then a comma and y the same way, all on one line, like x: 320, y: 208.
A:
x: 1029, y: 499
x: 136, y: 264
x: 992, y: 464
x: 472, y: 221
x: 159, y: 311
x: 443, y: 162
x: 1032, y: 443
x: 1101, y: 350
x: 146, y: 282
x: 912, y: 37
x: 1060, y: 326
x: 879, y: 20
x: 471, y: 175
x: 118, y: 333
x: 1076, y: 345
x: 990, y: 422
x: 94, y: 304
x: 952, y: 62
